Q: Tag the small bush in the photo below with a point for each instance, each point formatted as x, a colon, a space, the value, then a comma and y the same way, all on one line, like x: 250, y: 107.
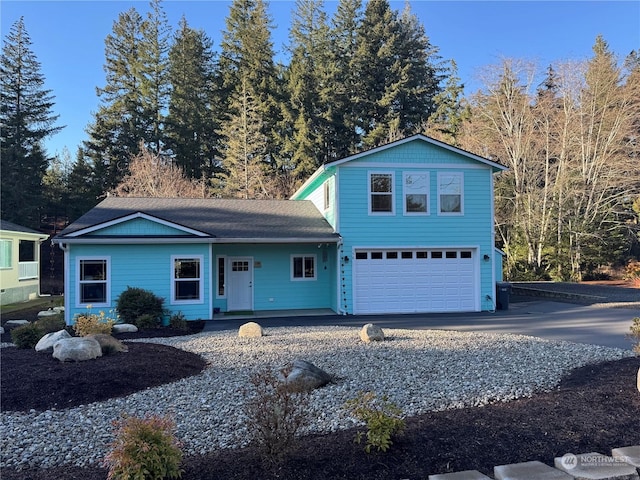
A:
x: 146, y: 321
x: 89, y: 323
x: 382, y: 418
x: 27, y: 335
x: 632, y: 272
x: 178, y: 321
x: 635, y: 334
x: 274, y: 414
x: 50, y: 324
x: 144, y: 449
x: 135, y: 302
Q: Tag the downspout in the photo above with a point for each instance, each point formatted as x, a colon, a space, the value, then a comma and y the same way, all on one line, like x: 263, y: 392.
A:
x: 67, y: 310
x: 40, y: 294
x: 340, y: 311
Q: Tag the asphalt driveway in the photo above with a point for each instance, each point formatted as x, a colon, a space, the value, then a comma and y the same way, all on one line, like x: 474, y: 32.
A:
x: 598, y: 324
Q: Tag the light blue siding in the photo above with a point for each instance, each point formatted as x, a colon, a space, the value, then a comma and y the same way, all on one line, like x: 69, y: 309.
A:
x: 360, y: 229
x: 138, y: 227
x: 273, y: 288
x: 144, y: 266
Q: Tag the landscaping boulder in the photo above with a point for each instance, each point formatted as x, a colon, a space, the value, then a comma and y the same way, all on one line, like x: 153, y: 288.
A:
x: 1, y: 330
x: 108, y: 344
x: 15, y: 323
x: 124, y: 328
x: 48, y: 313
x: 371, y: 333
x: 304, y: 376
x: 76, y: 349
x: 250, y: 330
x: 47, y: 342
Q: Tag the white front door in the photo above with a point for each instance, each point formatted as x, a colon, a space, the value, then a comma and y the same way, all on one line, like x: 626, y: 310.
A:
x: 240, y: 296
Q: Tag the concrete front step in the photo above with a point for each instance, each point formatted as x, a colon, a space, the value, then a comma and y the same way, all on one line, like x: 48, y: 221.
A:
x: 465, y: 475
x: 596, y: 466
x: 529, y: 471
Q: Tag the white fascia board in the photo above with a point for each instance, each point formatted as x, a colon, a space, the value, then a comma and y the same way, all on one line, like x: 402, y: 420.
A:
x: 321, y: 169
x: 190, y: 240
x: 134, y: 216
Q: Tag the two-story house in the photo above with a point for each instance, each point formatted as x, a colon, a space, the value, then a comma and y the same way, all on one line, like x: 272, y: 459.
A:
x: 405, y: 227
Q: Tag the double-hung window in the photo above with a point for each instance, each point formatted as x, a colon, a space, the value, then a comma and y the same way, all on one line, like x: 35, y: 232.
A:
x: 303, y: 267
x: 93, y: 281
x: 6, y: 249
x: 450, y: 193
x: 416, y: 193
x: 187, y: 284
x: 381, y: 198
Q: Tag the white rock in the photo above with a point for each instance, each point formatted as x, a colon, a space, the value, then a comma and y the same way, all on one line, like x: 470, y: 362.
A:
x: 76, y: 349
x: 371, y: 333
x: 47, y: 313
x: 124, y: 327
x: 250, y: 330
x: 58, y: 309
x: 1, y: 330
x: 16, y: 323
x: 49, y: 340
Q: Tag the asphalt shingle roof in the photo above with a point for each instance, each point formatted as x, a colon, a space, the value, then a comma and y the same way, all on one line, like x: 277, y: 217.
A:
x: 219, y: 218
x: 14, y: 227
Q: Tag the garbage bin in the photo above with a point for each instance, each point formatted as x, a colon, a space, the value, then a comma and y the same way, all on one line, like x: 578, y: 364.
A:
x: 503, y: 291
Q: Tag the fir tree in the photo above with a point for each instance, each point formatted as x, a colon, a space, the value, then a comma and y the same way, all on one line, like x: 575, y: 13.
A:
x: 26, y: 119
x: 192, y: 122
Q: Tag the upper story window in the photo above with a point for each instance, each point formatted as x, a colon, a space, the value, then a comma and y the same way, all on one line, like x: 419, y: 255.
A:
x: 327, y: 195
x: 6, y: 248
x: 451, y: 193
x: 93, y: 281
x: 187, y: 285
x: 381, y: 199
x: 416, y: 193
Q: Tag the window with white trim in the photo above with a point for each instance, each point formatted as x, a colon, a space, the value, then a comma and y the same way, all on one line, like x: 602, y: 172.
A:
x: 450, y: 193
x: 6, y: 249
x: 416, y: 193
x: 381, y: 198
x: 327, y: 195
x: 222, y: 276
x: 93, y: 281
x: 187, y: 283
x: 303, y: 267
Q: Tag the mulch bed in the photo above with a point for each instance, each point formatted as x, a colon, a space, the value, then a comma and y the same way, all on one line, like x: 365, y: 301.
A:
x: 596, y: 408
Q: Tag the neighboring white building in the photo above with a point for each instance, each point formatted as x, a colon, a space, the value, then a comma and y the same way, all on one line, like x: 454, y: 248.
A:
x: 19, y: 263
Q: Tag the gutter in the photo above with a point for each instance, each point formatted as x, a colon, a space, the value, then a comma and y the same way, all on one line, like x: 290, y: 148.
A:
x: 191, y: 240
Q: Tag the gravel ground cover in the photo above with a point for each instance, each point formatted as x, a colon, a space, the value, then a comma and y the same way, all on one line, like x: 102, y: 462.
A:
x: 421, y: 371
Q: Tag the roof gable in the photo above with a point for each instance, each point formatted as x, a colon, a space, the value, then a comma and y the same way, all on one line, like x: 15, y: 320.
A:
x: 138, y: 224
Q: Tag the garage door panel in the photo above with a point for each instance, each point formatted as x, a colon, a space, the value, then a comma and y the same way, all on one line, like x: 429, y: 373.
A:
x: 402, y: 281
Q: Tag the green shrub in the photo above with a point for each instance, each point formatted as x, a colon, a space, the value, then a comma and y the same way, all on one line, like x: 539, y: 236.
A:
x: 146, y: 321
x: 135, y: 302
x: 635, y: 334
x: 144, y: 449
x: 178, y: 321
x: 274, y: 414
x: 90, y: 323
x: 51, y: 324
x: 27, y: 335
x: 382, y: 418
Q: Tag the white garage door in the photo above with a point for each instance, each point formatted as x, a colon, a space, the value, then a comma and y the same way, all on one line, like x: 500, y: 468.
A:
x: 408, y: 281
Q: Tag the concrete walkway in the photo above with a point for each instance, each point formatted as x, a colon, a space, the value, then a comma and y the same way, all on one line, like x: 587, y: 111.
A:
x: 597, y: 324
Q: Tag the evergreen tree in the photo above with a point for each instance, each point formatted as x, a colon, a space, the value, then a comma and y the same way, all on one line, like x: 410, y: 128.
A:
x: 398, y: 79
x: 26, y: 119
x: 341, y: 90
x: 450, y: 112
x: 247, y: 69
x: 134, y: 98
x: 192, y: 123
x: 306, y: 77
x: 83, y: 191
x: 246, y: 169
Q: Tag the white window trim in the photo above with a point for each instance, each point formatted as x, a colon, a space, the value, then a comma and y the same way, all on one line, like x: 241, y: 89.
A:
x: 79, y: 303
x: 426, y: 192
x: 393, y: 193
x: 452, y: 214
x: 225, y: 280
x: 200, y: 300
x: 326, y: 192
x: 303, y: 278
